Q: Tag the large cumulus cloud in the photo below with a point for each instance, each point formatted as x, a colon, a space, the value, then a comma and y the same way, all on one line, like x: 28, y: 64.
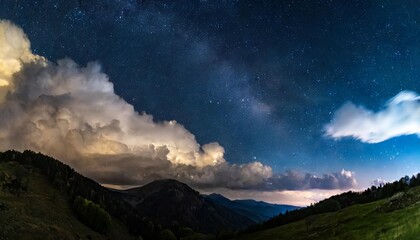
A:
x: 400, y: 116
x: 72, y: 113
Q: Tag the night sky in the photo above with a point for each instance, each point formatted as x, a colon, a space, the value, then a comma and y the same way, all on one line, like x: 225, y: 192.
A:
x: 264, y: 79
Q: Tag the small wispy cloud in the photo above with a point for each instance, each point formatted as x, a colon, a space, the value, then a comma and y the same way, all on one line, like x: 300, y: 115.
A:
x: 399, y: 116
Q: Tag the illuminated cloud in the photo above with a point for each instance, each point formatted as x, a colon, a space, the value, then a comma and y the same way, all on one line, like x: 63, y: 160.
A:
x: 72, y: 113
x: 399, y: 116
x: 14, y: 51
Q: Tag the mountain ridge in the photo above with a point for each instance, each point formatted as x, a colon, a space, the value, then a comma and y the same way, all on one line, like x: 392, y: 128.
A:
x: 258, y: 211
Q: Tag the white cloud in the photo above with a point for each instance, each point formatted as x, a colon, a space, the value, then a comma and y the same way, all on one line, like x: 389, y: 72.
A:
x: 379, y: 182
x: 399, y: 116
x: 14, y: 51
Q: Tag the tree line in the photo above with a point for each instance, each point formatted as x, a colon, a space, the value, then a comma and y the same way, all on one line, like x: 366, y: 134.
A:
x: 91, y: 214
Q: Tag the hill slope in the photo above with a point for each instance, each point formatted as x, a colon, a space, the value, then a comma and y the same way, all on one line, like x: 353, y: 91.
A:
x: 171, y: 202
x: 258, y: 211
x: 397, y: 217
x: 43, y: 212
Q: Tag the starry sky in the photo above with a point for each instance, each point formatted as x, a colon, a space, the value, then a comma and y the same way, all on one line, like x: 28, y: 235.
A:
x: 264, y: 79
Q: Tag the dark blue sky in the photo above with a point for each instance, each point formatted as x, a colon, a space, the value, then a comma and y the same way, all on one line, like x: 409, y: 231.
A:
x: 262, y: 78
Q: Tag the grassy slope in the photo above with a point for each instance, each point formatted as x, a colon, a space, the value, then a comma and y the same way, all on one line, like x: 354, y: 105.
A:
x: 44, y: 213
x: 374, y: 220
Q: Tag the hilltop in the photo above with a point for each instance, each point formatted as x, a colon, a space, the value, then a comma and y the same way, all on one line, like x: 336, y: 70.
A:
x: 170, y: 202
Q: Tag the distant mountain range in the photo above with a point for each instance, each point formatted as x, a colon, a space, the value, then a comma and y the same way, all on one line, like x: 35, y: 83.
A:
x: 171, y: 202
x: 257, y: 211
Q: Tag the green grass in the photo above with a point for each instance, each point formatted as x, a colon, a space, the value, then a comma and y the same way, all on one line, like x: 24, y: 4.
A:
x: 376, y: 220
x: 44, y: 213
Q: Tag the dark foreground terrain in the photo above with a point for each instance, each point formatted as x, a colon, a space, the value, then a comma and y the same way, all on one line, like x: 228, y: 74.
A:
x: 42, y: 198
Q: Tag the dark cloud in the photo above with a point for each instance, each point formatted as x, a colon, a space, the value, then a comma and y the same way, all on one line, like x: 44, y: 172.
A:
x: 292, y: 180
